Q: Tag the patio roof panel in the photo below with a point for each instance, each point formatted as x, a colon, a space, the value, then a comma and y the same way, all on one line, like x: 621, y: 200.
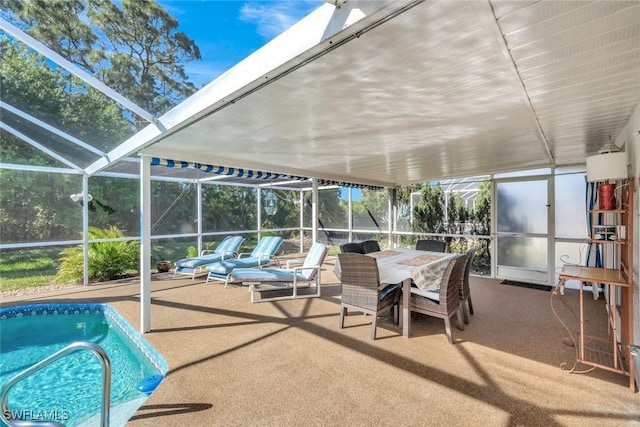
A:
x: 424, y: 95
x: 395, y: 92
x: 56, y: 142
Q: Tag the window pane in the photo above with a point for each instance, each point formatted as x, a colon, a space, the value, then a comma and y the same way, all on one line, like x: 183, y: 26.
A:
x: 372, y: 211
x: 228, y: 208
x: 332, y: 209
x: 36, y: 207
x: 523, y: 252
x: 333, y: 239
x: 116, y: 203
x: 382, y: 239
x: 522, y: 207
x: 280, y: 209
x: 571, y: 219
x: 173, y: 208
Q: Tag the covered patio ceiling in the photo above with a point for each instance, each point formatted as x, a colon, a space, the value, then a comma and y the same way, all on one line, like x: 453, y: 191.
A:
x: 390, y: 93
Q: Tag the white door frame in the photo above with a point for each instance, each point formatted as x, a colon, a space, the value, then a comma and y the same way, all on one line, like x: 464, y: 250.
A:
x: 520, y: 274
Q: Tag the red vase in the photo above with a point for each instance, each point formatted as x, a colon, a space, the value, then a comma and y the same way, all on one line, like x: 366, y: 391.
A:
x: 606, y: 196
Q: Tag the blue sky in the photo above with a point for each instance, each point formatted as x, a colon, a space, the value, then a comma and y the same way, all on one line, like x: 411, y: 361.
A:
x: 227, y: 31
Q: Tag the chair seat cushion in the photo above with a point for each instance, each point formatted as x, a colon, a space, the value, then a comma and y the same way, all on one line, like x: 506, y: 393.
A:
x: 432, y: 294
x: 225, y: 267
x: 387, y: 290
x: 264, y: 275
x: 198, y: 261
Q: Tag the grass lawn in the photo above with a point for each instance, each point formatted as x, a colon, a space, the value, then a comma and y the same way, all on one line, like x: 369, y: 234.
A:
x: 28, y: 268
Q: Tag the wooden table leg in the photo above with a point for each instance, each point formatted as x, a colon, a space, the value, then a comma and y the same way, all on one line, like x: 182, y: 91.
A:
x: 406, y: 307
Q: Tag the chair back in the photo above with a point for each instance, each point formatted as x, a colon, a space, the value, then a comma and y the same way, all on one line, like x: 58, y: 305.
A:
x: 316, y: 256
x: 267, y: 246
x: 359, y: 281
x: 370, y: 246
x: 432, y: 245
x: 451, y: 283
x: 464, y: 289
x: 230, y: 244
x: 352, y: 248
x: 359, y: 270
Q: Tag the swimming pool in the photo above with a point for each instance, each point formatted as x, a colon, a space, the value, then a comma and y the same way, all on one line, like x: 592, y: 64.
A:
x: 70, y: 389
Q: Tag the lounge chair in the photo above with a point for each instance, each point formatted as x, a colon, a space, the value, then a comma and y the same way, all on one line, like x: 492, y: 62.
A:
x: 290, y: 278
x: 264, y: 254
x: 227, y: 249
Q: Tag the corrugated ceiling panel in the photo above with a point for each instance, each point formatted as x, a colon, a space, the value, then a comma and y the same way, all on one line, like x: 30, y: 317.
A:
x: 425, y: 95
x: 579, y: 63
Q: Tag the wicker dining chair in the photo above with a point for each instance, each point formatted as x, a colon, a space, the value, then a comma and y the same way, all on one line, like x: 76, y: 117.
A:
x: 432, y: 245
x: 362, y: 291
x: 449, y: 296
x: 370, y: 246
x: 465, y: 294
x: 352, y: 248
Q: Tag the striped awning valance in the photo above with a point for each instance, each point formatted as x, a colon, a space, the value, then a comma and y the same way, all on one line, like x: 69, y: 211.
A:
x: 348, y: 184
x: 249, y: 173
x: 224, y: 170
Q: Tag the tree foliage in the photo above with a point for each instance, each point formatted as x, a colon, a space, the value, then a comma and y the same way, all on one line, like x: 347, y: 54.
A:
x: 429, y: 217
x: 332, y: 212
x: 371, y: 211
x: 133, y: 47
x: 35, y: 206
x: 228, y: 208
x: 428, y: 214
x: 287, y: 213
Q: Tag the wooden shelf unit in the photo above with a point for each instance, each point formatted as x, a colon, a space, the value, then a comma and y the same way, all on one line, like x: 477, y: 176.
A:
x: 612, y: 352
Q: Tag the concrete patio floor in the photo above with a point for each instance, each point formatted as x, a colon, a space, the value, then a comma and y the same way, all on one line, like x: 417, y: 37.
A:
x: 233, y: 363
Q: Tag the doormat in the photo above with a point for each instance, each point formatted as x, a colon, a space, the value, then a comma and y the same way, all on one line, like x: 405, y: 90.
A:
x: 527, y: 285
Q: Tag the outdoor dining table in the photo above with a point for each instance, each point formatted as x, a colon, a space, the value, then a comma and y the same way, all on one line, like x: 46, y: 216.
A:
x: 424, y: 268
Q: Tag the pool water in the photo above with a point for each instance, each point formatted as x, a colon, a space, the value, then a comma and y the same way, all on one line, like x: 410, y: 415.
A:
x: 70, y: 390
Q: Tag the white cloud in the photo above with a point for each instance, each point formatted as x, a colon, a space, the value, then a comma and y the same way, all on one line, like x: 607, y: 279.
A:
x: 201, y: 73
x: 273, y: 17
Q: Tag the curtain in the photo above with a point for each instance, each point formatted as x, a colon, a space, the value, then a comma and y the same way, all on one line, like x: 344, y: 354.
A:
x: 593, y: 257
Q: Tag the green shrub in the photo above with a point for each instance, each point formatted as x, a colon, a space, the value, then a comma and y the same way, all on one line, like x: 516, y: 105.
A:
x: 107, y: 260
x: 192, y: 252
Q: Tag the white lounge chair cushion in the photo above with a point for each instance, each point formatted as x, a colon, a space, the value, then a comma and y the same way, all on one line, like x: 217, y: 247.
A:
x: 306, y: 273
x: 265, y: 275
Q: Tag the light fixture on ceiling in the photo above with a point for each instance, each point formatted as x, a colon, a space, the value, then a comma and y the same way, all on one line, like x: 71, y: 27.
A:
x: 270, y: 203
x: 608, y: 165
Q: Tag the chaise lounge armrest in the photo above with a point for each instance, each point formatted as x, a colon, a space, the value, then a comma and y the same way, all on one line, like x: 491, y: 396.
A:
x: 293, y: 262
